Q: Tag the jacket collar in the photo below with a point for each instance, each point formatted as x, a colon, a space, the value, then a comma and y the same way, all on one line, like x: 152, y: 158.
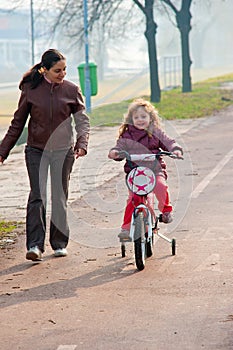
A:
x: 51, y: 83
x: 136, y: 133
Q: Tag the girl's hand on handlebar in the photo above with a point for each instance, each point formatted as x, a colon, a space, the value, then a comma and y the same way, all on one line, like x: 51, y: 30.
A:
x: 113, y: 154
x: 178, y: 154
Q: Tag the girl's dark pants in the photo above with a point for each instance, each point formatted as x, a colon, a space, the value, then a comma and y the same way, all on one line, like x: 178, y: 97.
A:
x: 38, y: 164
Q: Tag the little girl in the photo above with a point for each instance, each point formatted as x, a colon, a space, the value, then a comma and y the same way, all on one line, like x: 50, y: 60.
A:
x: 141, y: 133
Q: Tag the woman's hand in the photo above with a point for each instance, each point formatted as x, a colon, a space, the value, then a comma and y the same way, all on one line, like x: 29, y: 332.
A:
x: 79, y: 153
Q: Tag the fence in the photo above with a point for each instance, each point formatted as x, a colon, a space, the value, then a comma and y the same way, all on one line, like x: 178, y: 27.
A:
x: 171, y: 71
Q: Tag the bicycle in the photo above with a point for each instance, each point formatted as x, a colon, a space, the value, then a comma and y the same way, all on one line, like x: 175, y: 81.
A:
x: 141, y: 181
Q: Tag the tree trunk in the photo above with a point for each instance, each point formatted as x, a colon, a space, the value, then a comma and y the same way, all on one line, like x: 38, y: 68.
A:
x: 183, y: 18
x: 150, y: 34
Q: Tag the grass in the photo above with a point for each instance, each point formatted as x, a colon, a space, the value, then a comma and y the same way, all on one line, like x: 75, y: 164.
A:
x: 206, y: 98
x: 6, y: 229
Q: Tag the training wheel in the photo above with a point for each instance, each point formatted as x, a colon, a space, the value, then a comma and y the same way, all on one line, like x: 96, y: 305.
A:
x: 123, y: 250
x: 173, y: 246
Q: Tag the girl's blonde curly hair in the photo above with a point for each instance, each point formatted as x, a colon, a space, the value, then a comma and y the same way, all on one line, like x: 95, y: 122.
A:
x: 155, y: 120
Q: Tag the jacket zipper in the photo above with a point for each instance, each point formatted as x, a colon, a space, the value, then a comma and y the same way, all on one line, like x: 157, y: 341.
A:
x: 51, y: 117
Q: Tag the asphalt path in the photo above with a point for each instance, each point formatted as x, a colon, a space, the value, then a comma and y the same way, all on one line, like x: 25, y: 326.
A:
x: 94, y: 299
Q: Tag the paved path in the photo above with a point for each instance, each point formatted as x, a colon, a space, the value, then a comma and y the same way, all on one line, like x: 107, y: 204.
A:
x: 94, y: 299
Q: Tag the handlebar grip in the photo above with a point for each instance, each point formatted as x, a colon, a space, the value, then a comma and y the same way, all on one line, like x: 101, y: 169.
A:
x: 123, y: 154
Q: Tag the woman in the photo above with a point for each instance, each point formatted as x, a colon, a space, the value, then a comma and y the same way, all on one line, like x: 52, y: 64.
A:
x: 49, y: 101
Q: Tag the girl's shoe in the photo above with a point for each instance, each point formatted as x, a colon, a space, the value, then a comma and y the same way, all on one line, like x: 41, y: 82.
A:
x: 60, y: 252
x: 34, y: 254
x: 167, y: 218
x: 124, y: 235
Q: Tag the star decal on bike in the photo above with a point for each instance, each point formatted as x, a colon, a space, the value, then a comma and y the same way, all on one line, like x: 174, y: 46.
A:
x: 140, y: 173
x: 140, y: 187
x: 130, y: 180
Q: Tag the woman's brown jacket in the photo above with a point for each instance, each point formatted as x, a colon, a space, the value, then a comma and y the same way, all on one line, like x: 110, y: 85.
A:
x: 50, y: 127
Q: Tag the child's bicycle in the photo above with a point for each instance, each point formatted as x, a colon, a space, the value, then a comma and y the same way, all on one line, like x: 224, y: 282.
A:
x: 144, y: 223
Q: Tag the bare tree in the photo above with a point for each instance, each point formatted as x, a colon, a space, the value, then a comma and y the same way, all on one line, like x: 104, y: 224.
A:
x: 68, y: 16
x: 69, y: 13
x: 150, y: 34
x: 183, y: 20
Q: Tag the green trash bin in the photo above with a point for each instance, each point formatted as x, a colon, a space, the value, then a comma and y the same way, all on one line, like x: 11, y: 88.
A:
x: 93, y: 77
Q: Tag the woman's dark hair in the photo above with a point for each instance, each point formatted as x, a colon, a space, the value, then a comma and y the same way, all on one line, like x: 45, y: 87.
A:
x: 35, y: 74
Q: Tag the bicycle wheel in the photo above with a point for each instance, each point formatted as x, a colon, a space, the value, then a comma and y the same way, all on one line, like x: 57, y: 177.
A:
x: 139, y: 242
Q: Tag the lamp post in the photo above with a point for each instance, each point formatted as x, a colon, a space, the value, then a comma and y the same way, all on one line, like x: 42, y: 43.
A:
x: 32, y: 34
x: 87, y: 68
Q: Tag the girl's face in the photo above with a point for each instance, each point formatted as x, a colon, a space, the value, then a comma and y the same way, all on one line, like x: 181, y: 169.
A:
x: 56, y: 73
x: 141, y: 119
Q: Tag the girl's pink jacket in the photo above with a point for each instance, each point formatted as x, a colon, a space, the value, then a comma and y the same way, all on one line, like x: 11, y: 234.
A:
x: 136, y: 141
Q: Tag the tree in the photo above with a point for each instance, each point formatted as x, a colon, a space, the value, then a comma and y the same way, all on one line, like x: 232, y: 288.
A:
x: 150, y: 34
x: 106, y: 10
x: 183, y: 20
x: 67, y: 17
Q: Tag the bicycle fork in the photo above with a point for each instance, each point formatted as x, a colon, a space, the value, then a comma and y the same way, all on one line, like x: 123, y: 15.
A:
x: 147, y: 221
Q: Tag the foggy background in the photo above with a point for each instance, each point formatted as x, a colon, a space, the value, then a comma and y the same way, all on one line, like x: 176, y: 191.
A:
x: 210, y: 43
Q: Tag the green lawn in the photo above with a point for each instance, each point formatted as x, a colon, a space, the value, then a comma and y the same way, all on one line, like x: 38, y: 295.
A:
x: 206, y: 97
x: 6, y: 232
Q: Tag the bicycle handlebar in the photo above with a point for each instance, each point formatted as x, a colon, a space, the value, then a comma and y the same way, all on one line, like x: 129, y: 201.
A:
x: 147, y: 157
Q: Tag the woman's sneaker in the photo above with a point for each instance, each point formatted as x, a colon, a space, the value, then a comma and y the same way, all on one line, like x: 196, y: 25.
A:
x: 124, y: 235
x: 167, y: 218
x: 34, y: 254
x: 60, y: 252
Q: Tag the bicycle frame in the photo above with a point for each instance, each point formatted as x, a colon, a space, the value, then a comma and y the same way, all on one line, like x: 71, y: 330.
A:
x: 143, y: 221
x: 147, y: 215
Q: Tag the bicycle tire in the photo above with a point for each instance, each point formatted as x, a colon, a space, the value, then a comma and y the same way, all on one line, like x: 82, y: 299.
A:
x: 139, y: 242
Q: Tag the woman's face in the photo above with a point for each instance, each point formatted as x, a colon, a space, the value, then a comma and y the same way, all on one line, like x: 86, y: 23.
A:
x: 56, y: 73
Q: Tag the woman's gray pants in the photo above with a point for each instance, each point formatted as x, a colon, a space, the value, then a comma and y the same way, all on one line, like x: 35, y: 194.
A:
x: 38, y: 164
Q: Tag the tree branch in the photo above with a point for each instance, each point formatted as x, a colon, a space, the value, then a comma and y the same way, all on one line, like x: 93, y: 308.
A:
x: 171, y: 5
x: 140, y: 6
